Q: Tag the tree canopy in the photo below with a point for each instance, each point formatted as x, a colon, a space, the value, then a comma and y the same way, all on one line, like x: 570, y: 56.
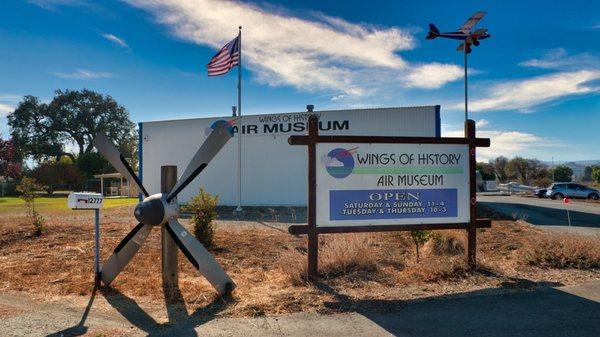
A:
x: 596, y: 174
x: 55, y: 174
x: 73, y: 117
x: 487, y: 171
x: 562, y: 173
x: 500, y: 168
x: 528, y: 171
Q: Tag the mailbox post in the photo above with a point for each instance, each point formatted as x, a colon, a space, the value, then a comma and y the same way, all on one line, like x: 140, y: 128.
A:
x: 89, y: 200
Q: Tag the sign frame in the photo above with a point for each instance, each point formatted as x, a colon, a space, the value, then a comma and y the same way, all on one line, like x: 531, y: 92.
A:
x: 312, y: 230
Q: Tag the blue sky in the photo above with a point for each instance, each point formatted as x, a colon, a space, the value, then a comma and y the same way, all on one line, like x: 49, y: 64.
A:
x: 534, y: 88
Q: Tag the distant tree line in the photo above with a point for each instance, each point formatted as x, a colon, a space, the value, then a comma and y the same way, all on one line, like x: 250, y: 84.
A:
x: 532, y: 171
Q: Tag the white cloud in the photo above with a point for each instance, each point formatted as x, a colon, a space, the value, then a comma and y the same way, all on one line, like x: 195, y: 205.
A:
x: 116, y: 40
x: 558, y: 58
x: 5, y: 109
x: 323, y: 53
x: 53, y: 4
x: 339, y: 97
x: 504, y: 143
x: 433, y: 75
x: 481, y: 123
x: 84, y: 74
x: 10, y: 98
x: 524, y: 94
x: 7, y: 103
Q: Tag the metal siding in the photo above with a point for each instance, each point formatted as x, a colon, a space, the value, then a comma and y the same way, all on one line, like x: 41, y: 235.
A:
x: 273, y: 172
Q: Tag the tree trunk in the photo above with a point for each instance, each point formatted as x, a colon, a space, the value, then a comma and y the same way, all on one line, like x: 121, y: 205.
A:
x: 81, y: 144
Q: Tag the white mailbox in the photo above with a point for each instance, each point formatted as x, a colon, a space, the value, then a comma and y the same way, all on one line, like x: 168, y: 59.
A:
x: 90, y: 200
x: 85, y: 200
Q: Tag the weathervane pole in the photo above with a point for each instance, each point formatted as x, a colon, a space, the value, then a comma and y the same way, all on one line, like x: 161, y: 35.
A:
x: 239, y: 134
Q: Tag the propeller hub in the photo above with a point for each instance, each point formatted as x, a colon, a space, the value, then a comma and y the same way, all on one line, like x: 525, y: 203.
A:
x: 155, y: 210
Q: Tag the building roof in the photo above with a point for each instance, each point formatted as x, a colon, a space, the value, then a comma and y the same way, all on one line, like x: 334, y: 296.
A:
x: 108, y: 175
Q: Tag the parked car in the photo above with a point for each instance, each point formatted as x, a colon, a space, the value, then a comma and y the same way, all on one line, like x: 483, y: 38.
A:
x: 571, y: 190
x: 540, y: 192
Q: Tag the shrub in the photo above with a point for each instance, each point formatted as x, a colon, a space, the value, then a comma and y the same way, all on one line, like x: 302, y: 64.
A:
x: 27, y: 189
x: 204, y: 210
x: 419, y: 238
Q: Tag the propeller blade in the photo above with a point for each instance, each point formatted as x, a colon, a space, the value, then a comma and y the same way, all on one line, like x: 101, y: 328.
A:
x: 124, y: 252
x: 116, y: 159
x: 211, y: 146
x: 200, y: 258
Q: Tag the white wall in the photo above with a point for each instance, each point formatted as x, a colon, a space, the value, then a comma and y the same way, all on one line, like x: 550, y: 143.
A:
x: 273, y: 172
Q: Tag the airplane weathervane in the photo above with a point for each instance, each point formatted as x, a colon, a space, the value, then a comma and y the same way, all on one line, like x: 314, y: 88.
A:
x: 470, y: 38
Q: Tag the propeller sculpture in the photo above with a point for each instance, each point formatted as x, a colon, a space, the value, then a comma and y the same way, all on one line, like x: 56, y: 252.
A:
x: 162, y: 209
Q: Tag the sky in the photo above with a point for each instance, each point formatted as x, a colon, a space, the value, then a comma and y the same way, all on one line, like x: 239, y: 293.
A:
x: 534, y: 86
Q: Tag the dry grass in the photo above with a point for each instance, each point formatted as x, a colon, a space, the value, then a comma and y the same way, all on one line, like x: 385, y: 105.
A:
x: 340, y: 255
x: 269, y: 266
x: 564, y: 251
x: 449, y: 243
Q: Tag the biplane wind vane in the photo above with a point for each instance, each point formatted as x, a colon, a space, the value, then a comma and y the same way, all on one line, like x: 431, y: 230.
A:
x: 162, y: 209
x: 469, y: 38
x: 463, y: 33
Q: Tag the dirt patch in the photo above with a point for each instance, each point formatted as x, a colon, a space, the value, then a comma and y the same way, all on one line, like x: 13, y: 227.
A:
x: 376, y: 271
x: 7, y: 311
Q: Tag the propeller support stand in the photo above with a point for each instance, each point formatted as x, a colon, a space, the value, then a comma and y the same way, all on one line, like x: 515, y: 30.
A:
x: 170, y: 271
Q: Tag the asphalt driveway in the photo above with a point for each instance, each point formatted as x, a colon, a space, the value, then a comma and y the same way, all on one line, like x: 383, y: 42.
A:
x: 548, y: 214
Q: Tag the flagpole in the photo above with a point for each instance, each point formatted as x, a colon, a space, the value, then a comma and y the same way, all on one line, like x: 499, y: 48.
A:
x: 239, y: 134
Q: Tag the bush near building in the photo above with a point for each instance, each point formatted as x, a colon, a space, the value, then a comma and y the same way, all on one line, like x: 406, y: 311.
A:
x: 204, y: 210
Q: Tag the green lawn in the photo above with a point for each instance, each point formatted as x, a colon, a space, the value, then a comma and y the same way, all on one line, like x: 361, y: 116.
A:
x: 16, y: 204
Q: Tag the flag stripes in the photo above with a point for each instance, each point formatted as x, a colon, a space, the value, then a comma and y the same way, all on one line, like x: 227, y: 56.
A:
x: 227, y: 58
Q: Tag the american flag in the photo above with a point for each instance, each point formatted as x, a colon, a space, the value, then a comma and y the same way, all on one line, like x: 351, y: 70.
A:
x: 227, y: 58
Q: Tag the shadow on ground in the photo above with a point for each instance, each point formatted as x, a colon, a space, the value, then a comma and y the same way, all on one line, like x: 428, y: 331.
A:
x: 518, y: 307
x: 180, y: 322
x: 79, y: 329
x: 511, y: 310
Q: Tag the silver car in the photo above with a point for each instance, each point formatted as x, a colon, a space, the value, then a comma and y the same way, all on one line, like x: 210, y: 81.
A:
x: 571, y: 190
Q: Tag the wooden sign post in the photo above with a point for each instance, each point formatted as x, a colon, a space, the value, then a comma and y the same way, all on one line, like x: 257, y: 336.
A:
x: 446, y: 208
x: 170, y: 270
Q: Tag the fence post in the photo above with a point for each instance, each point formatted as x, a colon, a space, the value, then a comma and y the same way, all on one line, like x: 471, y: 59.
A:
x: 472, y: 229
x: 313, y: 236
x: 168, y: 178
